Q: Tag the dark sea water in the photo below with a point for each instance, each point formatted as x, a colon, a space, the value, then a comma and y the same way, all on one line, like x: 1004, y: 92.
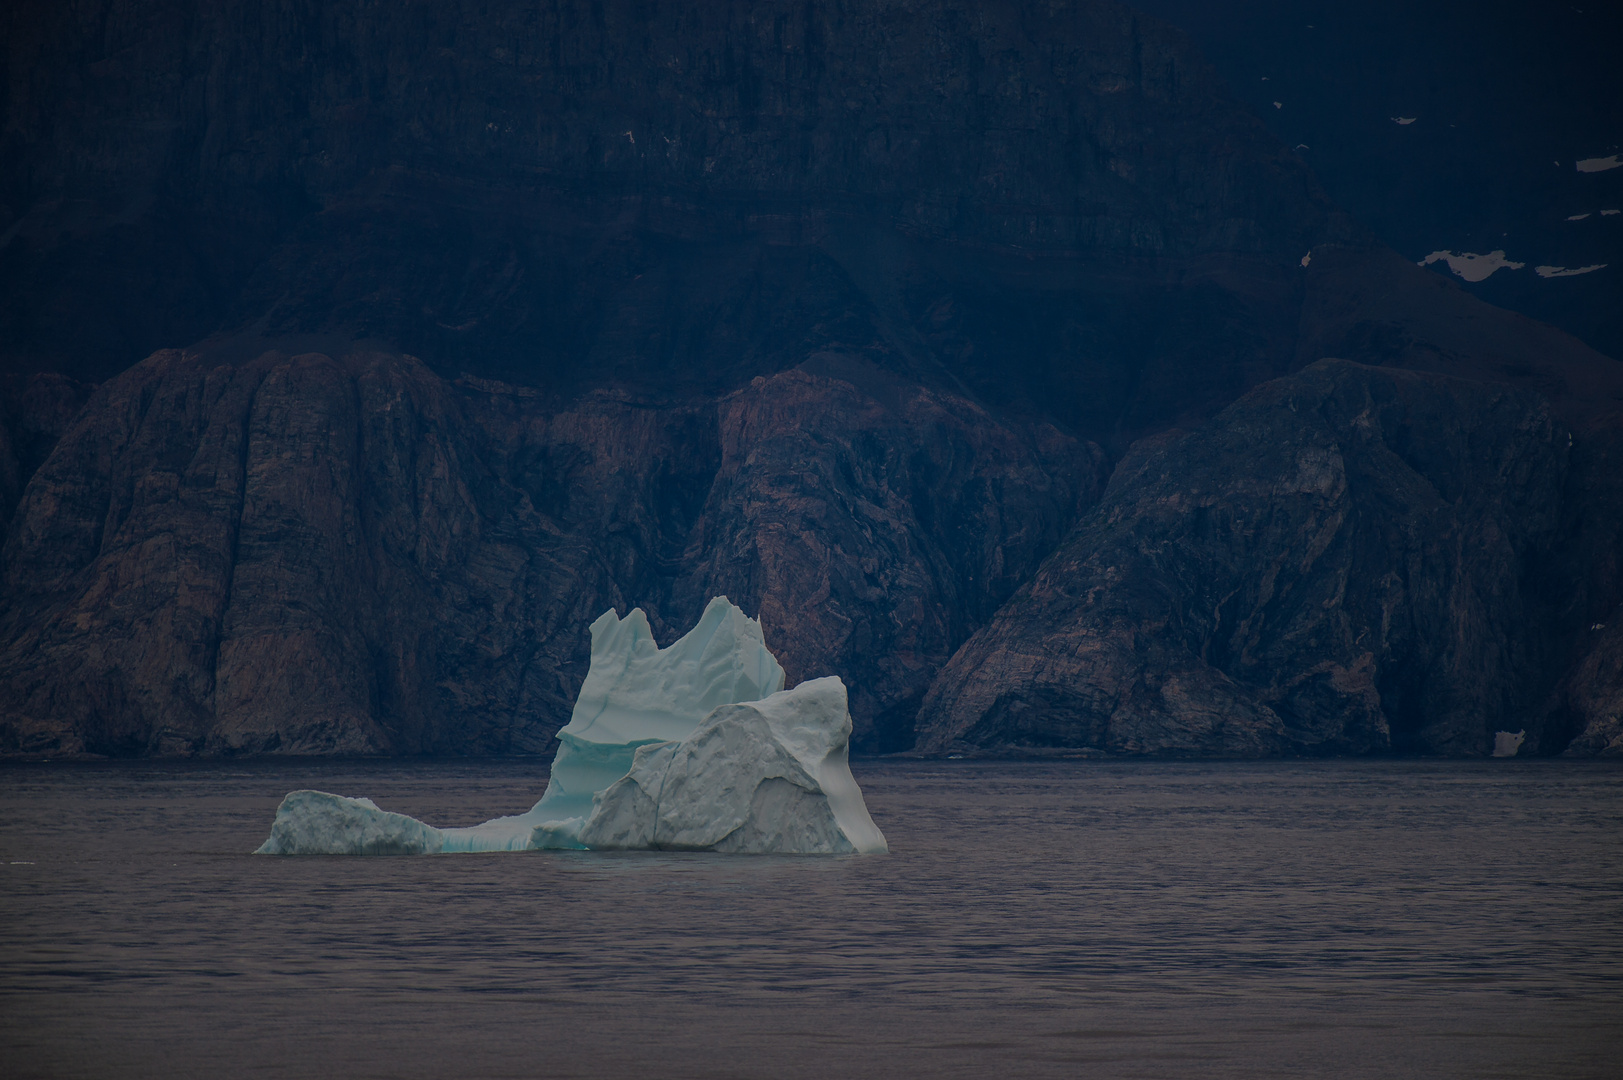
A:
x: 1340, y: 919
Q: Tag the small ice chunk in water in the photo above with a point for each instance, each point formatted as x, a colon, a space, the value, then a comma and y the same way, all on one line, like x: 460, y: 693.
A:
x: 1600, y: 164
x: 701, y: 732
x: 1507, y: 743
x: 1404, y: 121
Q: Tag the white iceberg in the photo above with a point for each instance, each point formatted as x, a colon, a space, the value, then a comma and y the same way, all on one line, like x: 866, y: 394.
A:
x: 742, y: 765
x: 316, y: 823
x: 1600, y: 164
x: 762, y: 776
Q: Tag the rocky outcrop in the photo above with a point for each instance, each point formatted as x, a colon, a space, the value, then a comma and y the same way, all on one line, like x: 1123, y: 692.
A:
x: 34, y: 411
x: 1588, y: 705
x: 874, y: 534
x: 1368, y: 304
x: 1348, y: 560
x: 302, y: 554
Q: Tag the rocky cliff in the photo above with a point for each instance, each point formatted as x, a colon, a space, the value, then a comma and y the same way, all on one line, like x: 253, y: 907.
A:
x: 34, y: 411
x: 847, y: 310
x: 1348, y: 560
x: 303, y: 554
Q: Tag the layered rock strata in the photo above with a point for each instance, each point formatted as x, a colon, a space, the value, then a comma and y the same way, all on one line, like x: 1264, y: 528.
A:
x: 1349, y: 560
x: 302, y: 554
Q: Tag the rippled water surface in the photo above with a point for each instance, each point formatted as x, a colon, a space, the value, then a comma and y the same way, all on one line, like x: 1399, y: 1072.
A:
x: 1344, y: 919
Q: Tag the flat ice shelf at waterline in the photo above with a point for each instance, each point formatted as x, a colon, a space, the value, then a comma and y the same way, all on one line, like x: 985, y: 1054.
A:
x: 693, y: 747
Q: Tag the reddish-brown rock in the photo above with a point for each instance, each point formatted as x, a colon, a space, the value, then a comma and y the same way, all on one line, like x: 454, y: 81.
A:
x: 1347, y: 560
x: 302, y: 554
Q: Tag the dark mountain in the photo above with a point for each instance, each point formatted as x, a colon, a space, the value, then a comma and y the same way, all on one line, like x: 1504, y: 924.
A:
x: 1329, y: 567
x: 467, y: 322
x: 1454, y: 125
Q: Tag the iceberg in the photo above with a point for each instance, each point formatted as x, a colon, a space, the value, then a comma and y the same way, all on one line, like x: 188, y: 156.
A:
x: 1508, y: 743
x: 696, y: 746
x: 764, y: 776
x: 316, y: 823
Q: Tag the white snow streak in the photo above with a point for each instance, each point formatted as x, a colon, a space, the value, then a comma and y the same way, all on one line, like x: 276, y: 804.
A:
x: 1471, y: 266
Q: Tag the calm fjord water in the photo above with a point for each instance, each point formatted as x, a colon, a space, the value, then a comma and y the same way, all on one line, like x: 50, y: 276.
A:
x: 1345, y: 919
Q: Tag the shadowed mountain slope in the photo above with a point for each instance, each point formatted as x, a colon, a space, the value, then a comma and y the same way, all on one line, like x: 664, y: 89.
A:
x: 1347, y: 560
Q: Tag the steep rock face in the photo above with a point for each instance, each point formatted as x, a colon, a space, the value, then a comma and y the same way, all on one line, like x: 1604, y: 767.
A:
x: 299, y: 554
x: 1055, y: 206
x: 1368, y: 304
x: 1589, y: 702
x: 216, y: 559
x: 34, y: 411
x: 1586, y: 707
x: 874, y: 534
x: 1348, y: 560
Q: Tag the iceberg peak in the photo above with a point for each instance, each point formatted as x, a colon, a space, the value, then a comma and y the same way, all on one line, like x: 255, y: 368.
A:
x: 638, y: 692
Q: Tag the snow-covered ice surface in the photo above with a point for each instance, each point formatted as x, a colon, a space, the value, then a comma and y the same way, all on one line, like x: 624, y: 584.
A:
x: 635, y: 693
x: 1564, y: 271
x: 762, y: 776
x: 1600, y: 164
x: 695, y: 746
x: 316, y: 823
x: 1471, y: 266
